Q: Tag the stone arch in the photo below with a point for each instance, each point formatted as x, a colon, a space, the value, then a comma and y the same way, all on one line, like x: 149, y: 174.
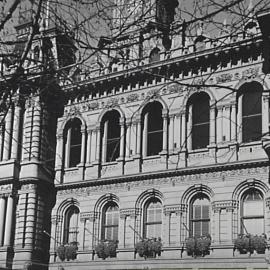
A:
x: 146, y: 195
x: 103, y: 200
x: 195, y: 190
x: 70, y: 118
x: 66, y: 204
x: 254, y: 78
x: 248, y: 184
x: 208, y: 91
x: 158, y: 99
x: 107, y: 110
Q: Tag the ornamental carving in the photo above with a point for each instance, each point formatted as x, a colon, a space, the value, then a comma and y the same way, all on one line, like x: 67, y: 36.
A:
x: 112, y: 102
x: 132, y: 97
x: 228, y: 205
x: 175, y: 88
x: 154, y: 93
x: 93, y: 105
x: 227, y: 77
x: 87, y: 215
x: 132, y: 212
x: 250, y: 73
x: 174, y: 208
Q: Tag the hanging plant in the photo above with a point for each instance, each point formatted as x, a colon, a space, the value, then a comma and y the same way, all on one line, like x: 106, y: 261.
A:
x: 106, y: 248
x: 149, y: 248
x: 198, y: 245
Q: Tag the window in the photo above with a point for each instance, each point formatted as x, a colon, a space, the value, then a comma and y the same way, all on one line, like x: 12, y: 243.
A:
x: 110, y: 136
x: 154, y: 55
x: 152, y: 129
x: 36, y: 54
x: 251, y: 112
x: 252, y: 220
x: 152, y: 219
x: 200, y: 216
x: 71, y: 229
x: 110, y: 220
x: 199, y: 108
x: 73, y: 141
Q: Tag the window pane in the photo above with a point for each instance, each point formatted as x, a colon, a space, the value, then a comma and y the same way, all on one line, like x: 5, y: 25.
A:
x: 252, y: 128
x: 252, y: 103
x: 200, y: 136
x: 113, y: 149
x: 154, y: 143
x: 254, y: 226
x: 75, y: 155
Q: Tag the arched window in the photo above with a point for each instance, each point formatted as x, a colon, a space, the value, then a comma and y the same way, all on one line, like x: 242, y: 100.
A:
x: 110, y: 221
x: 152, y: 131
x: 251, y: 98
x: 71, y: 228
x: 36, y: 54
x: 73, y: 141
x: 252, y: 212
x: 200, y: 215
x: 110, y: 128
x: 199, y: 120
x: 154, y: 55
x: 152, y: 219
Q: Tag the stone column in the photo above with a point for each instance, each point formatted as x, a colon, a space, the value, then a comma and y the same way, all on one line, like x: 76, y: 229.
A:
x: 165, y: 133
x: 8, y: 135
x: 104, y: 141
x: 212, y: 124
x: 233, y: 122
x: 2, y: 130
x: 30, y: 219
x: 265, y: 114
x: 122, y: 139
x: 2, y: 219
x: 88, y: 147
x: 171, y: 133
x: 226, y: 123
x: 98, y: 145
x: 183, y: 131
x: 122, y: 230
x: 16, y: 132
x: 93, y: 146
x: 133, y: 138
x: 177, y: 131
x: 138, y: 138
x: 35, y: 151
x: 189, y: 128
x: 59, y: 151
x: 67, y: 148
x: 145, y: 133
x: 9, y: 220
x: 166, y: 228
x: 21, y: 220
x: 219, y: 124
x: 128, y: 140
x: 239, y: 120
x: 83, y: 147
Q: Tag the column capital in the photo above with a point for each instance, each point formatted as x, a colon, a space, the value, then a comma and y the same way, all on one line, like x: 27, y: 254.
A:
x: 127, y: 212
x: 173, y: 208
x: 226, y: 204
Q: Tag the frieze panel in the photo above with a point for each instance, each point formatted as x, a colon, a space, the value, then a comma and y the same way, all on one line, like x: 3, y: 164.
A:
x: 173, y: 180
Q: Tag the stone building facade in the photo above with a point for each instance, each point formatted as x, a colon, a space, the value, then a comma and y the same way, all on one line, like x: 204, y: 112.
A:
x: 166, y: 143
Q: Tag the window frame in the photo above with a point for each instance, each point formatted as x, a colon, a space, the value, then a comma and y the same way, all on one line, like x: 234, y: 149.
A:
x: 193, y: 221
x: 147, y: 223
x: 104, y: 226
x: 73, y: 209
x: 250, y: 217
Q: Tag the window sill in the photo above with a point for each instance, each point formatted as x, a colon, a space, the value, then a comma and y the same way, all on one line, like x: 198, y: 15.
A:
x: 109, y: 163
x: 151, y: 157
x: 198, y: 150
x: 71, y: 169
x: 242, y: 144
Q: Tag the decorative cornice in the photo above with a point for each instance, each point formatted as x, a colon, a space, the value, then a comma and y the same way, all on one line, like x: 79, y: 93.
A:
x: 132, y: 212
x: 168, y: 176
x: 87, y: 215
x: 174, y: 208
